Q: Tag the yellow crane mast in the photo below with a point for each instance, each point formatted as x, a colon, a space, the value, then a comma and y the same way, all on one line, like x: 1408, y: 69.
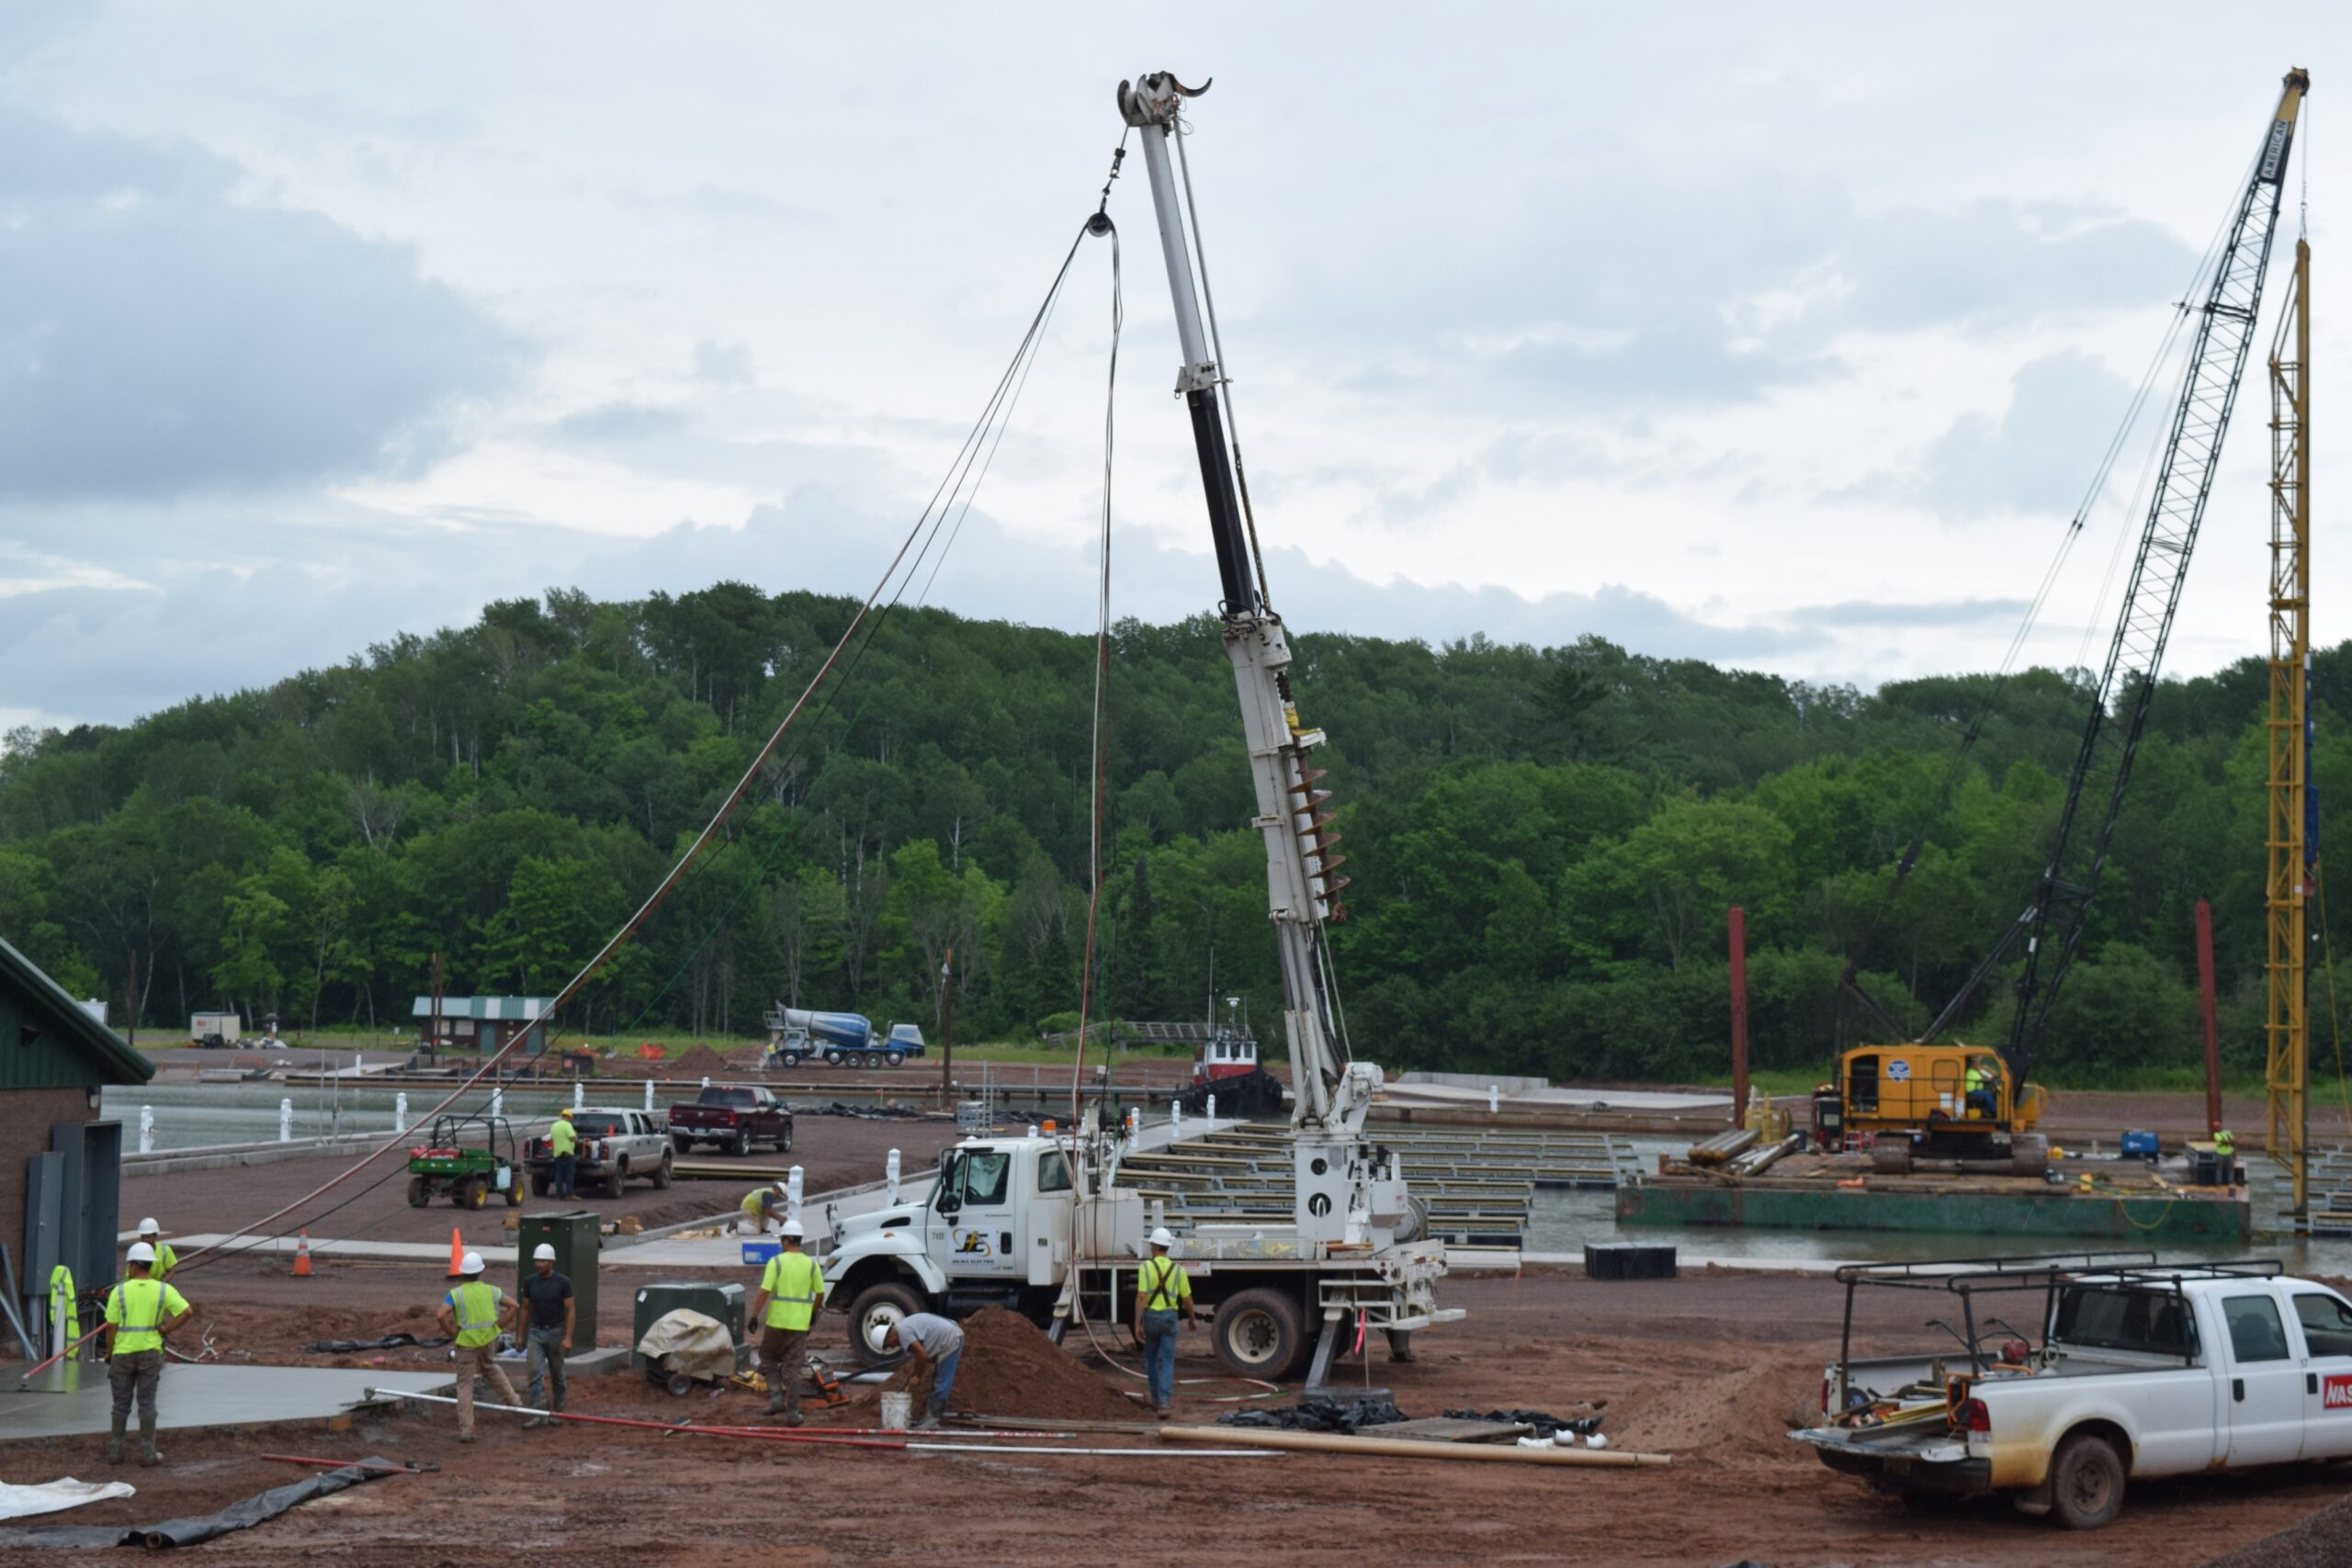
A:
x: 2294, y: 859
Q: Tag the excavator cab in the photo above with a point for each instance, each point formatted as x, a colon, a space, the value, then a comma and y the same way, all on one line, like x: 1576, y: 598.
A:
x: 1923, y: 1092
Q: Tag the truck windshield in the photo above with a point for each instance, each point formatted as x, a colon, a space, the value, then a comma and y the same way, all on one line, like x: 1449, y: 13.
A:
x: 2114, y: 1318
x: 973, y: 1176
x: 726, y: 1097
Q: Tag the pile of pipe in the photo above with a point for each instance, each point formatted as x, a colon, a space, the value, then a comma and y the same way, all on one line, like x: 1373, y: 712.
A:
x: 1723, y: 1147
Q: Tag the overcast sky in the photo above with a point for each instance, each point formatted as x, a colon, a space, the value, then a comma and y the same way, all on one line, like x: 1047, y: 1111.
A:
x: 1786, y: 337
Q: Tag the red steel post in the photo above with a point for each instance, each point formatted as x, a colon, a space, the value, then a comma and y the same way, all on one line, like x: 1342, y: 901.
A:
x: 1738, y: 1015
x: 2205, y: 1001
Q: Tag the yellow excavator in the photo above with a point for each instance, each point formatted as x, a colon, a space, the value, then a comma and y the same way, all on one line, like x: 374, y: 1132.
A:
x: 1970, y: 1102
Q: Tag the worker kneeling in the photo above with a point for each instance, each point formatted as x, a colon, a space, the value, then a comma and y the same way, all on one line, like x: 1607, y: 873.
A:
x: 140, y: 1312
x: 760, y: 1205
x: 931, y: 1341
x: 792, y: 1292
x: 1163, y: 1289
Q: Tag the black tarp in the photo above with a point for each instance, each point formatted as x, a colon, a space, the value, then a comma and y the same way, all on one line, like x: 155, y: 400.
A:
x: 257, y: 1509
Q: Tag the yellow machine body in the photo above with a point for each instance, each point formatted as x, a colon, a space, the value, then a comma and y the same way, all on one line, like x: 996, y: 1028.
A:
x: 1923, y: 1088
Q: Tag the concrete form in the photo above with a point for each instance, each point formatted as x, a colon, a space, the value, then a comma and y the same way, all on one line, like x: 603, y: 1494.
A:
x: 72, y: 1397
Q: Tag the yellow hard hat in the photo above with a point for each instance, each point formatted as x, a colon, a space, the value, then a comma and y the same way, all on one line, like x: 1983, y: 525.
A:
x: 565, y: 1113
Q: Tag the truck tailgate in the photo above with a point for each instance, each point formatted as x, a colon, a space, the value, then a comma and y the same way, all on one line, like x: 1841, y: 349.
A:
x: 1928, y: 1458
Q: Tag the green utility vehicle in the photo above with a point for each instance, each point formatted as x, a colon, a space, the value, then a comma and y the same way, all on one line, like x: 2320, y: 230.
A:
x: 467, y: 1158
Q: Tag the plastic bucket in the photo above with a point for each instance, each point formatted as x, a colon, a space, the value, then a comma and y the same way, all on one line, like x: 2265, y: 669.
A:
x: 898, y: 1409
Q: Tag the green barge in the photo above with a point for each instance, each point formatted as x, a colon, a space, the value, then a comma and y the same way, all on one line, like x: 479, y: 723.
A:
x: 1989, y: 1207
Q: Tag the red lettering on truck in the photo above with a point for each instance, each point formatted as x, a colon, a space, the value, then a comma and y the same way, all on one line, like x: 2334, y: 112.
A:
x: 2336, y: 1392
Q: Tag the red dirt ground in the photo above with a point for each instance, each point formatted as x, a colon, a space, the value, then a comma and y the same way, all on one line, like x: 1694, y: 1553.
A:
x: 1709, y: 1367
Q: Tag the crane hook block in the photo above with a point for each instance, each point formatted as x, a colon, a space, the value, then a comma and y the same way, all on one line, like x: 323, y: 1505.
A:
x: 1099, y: 225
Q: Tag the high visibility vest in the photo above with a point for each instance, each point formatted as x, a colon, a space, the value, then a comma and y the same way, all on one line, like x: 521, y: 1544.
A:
x: 1162, y: 1284
x: 137, y: 1308
x: 166, y: 1261
x: 1975, y: 1079
x: 476, y: 1311
x: 65, y: 1307
x: 562, y: 1138
x: 2224, y: 1144
x: 793, y: 1281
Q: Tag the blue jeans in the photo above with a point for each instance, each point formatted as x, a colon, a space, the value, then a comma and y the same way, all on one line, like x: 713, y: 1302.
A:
x: 1159, y: 1356
x: 543, y: 1349
x: 944, y: 1379
x: 563, y: 1168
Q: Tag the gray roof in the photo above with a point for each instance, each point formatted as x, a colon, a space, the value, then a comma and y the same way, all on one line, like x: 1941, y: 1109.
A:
x: 516, y: 1007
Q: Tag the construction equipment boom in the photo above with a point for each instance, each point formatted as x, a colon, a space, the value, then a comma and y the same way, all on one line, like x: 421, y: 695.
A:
x: 2051, y: 927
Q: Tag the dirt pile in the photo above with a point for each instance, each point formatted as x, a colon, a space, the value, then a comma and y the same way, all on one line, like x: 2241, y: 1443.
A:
x: 2323, y: 1541
x: 1745, y: 1414
x: 1010, y: 1368
x: 698, y: 1061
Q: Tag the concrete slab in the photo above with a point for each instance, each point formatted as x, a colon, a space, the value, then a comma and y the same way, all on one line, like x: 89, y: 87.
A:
x: 402, y: 1251
x: 74, y: 1397
x: 1566, y: 1099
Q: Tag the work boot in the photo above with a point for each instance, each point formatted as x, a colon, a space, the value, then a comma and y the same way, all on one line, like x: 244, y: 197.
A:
x: 931, y: 1414
x: 794, y: 1419
x: 776, y: 1401
x: 465, y: 1437
x: 114, y: 1444
x: 147, y: 1454
x: 536, y: 1421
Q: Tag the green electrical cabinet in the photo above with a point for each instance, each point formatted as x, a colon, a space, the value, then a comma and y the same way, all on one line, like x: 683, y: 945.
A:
x: 724, y: 1303
x: 576, y: 1242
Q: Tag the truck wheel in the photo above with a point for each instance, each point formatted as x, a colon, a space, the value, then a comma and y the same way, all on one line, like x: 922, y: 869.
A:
x: 832, y: 1058
x: 894, y: 1057
x: 474, y: 1194
x: 878, y: 1307
x: 741, y: 1144
x: 661, y: 1175
x: 686, y: 1147
x: 2085, y: 1481
x: 538, y: 1184
x: 420, y: 1193
x: 1259, y: 1334
x: 514, y: 1193
x: 784, y: 1145
x: 790, y: 1058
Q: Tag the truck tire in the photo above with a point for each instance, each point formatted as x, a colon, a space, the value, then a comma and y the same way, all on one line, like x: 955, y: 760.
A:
x: 514, y: 1193
x: 420, y: 1193
x: 1260, y: 1333
x: 538, y: 1184
x: 784, y: 1145
x: 788, y: 1058
x: 2085, y: 1481
x: 832, y: 1058
x: 662, y: 1173
x: 474, y: 1193
x: 1891, y: 1157
x: 894, y: 1057
x: 741, y: 1146
x: 685, y: 1146
x: 878, y: 1307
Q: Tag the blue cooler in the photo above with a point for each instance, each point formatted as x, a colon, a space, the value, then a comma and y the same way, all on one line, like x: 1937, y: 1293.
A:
x: 2140, y: 1143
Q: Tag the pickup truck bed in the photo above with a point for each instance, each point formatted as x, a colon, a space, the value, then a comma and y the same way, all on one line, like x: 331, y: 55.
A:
x: 617, y: 1146
x: 734, y: 1117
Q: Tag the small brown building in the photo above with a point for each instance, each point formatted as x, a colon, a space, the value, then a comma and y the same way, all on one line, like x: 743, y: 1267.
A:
x: 60, y: 1167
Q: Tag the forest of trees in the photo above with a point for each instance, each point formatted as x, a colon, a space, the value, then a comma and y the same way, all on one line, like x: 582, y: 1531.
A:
x: 1543, y: 841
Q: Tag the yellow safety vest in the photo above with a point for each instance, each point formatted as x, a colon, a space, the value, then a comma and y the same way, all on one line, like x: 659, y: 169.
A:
x: 137, y: 1308
x: 793, y: 1281
x: 2224, y: 1144
x: 562, y: 1138
x: 476, y: 1311
x: 757, y: 1199
x: 1162, y: 1284
x: 1975, y: 1079
x: 64, y: 1306
x: 166, y: 1261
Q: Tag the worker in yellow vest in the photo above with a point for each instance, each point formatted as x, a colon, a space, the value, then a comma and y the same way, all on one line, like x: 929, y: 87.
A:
x: 140, y: 1312
x: 564, y: 1143
x: 165, y: 1258
x: 792, y: 1292
x: 760, y: 1205
x: 474, y: 1313
x: 1978, y: 1082
x: 1163, y: 1289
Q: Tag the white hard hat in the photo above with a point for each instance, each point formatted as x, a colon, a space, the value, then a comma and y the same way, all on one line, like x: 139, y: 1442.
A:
x: 471, y: 1263
x: 142, y: 1253
x: 543, y: 1253
x: 1162, y: 1238
x: 785, y: 1188
x: 793, y: 1229
x: 149, y: 1227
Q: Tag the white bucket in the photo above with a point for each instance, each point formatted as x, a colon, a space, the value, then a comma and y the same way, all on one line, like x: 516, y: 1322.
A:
x: 897, y: 1410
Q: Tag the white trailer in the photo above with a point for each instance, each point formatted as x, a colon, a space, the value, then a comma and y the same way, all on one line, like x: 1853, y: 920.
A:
x: 214, y: 1030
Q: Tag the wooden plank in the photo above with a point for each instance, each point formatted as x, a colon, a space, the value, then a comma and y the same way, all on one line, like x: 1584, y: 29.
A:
x: 1448, y: 1429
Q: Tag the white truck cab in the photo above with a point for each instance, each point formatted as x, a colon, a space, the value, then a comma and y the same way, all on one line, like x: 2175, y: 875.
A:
x: 2142, y: 1368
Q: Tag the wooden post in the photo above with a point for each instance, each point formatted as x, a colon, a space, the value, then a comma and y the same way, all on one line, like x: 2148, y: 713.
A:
x: 1738, y: 1016
x: 130, y: 1005
x: 2205, y: 1003
x: 947, y: 1031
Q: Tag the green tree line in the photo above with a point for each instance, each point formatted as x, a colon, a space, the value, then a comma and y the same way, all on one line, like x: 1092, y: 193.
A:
x: 1543, y: 841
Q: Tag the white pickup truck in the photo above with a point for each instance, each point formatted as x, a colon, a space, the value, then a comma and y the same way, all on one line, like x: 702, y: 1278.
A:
x: 2142, y: 1368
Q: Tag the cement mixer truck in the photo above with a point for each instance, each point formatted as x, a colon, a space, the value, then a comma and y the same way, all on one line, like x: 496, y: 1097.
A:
x: 843, y: 1038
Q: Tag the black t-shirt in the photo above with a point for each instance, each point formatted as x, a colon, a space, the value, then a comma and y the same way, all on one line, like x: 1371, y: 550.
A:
x: 547, y: 1298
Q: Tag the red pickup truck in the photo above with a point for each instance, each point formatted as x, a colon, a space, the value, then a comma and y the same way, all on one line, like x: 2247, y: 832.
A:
x: 734, y: 1118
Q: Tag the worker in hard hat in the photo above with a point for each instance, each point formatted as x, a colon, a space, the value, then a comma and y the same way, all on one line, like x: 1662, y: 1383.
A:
x: 564, y: 1143
x: 761, y: 1205
x: 548, y: 1312
x: 931, y: 1342
x: 141, y: 1311
x: 474, y: 1312
x: 791, y: 1294
x: 1978, y: 1084
x: 165, y: 1258
x: 1162, y: 1290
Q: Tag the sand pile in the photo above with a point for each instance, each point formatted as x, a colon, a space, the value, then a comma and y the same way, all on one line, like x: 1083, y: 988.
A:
x: 699, y: 1060
x: 1747, y: 1413
x: 1010, y: 1368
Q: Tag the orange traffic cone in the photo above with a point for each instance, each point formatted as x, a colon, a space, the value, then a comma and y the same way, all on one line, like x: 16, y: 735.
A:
x: 302, y: 1257
x: 456, y: 1255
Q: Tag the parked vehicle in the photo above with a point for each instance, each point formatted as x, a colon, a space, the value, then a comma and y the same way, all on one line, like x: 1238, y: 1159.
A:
x: 2142, y: 1368
x: 617, y: 1146
x: 214, y: 1031
x: 733, y: 1116
x: 464, y: 1158
x: 843, y: 1038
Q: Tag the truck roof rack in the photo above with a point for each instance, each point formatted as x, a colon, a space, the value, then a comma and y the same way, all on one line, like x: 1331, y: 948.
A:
x: 2035, y: 1270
